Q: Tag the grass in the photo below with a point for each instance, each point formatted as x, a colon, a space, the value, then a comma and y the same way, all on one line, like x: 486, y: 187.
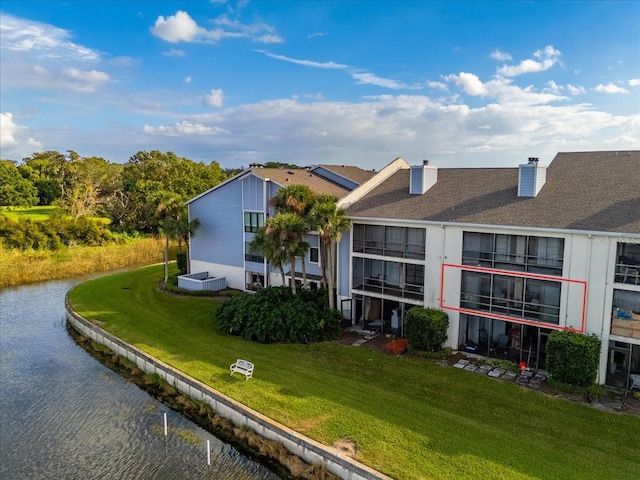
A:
x: 34, y: 213
x: 411, y: 419
x: 37, y: 213
x: 18, y: 267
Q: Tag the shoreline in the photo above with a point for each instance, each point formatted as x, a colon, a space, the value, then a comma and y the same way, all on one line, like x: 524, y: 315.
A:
x: 303, y: 457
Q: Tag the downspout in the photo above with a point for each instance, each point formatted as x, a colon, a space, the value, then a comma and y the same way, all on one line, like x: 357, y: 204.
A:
x: 605, y: 312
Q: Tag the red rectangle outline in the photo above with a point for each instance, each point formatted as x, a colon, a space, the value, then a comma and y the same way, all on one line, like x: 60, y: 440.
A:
x: 514, y: 274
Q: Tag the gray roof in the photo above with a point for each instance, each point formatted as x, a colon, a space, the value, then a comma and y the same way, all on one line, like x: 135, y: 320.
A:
x: 350, y: 172
x: 593, y: 191
x: 301, y: 176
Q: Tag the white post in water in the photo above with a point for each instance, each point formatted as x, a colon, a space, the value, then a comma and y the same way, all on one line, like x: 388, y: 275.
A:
x: 165, y: 424
x: 208, y: 453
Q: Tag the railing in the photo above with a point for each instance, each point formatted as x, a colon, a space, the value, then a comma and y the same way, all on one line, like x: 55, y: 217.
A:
x: 202, y: 281
x: 629, y: 274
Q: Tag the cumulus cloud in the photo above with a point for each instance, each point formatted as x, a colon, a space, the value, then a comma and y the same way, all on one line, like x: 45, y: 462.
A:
x: 15, y: 140
x: 576, y: 89
x: 182, y: 28
x: 545, y: 59
x: 468, y: 82
x: 87, y: 80
x: 214, y: 98
x: 610, y: 88
x: 634, y: 82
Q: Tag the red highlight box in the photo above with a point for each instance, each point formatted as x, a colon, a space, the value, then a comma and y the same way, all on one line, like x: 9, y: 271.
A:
x: 511, y: 273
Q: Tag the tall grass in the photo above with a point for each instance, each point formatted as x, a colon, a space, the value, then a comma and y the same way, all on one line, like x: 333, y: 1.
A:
x: 19, y: 267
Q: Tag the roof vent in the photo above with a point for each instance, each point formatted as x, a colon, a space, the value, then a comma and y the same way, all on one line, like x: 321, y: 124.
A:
x: 422, y: 178
x: 531, y: 177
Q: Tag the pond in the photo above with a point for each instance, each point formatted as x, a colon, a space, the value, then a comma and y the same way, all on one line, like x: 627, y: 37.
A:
x: 64, y: 415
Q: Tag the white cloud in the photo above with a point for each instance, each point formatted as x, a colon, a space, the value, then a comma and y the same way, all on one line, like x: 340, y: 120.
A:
x: 215, y: 98
x: 501, y: 56
x: 361, y: 78
x: 546, y: 58
x: 187, y: 79
x: 15, y: 140
x: 610, y: 88
x: 87, y: 80
x: 468, y: 82
x: 183, y: 127
x: 174, y: 52
x: 182, y: 28
x: 576, y: 89
x: 316, y: 35
x: 634, y: 82
x: 437, y: 85
x: 177, y: 28
x: 41, y: 40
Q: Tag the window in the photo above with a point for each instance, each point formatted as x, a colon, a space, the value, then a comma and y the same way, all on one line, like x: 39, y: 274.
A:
x: 628, y: 263
x: 401, y: 242
x: 388, y: 278
x: 513, y: 296
x: 314, y: 255
x: 251, y: 255
x: 513, y: 252
x: 253, y: 221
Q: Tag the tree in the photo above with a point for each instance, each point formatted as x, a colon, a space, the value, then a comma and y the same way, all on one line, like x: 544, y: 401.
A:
x: 168, y: 213
x: 270, y: 247
x: 297, y: 199
x: 330, y: 222
x: 15, y: 191
x: 288, y: 229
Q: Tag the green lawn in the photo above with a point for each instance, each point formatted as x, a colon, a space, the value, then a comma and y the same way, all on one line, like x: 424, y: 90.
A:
x: 410, y: 419
x: 38, y: 213
x: 34, y: 213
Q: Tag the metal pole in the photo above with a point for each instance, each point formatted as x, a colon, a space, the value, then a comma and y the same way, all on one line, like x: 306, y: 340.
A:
x: 165, y: 424
x: 208, y: 453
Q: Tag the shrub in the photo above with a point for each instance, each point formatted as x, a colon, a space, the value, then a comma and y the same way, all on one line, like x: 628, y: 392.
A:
x: 181, y: 260
x: 274, y: 314
x: 426, y: 328
x: 573, y: 358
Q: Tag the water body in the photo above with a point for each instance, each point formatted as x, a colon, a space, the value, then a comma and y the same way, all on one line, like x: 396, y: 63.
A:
x: 63, y: 415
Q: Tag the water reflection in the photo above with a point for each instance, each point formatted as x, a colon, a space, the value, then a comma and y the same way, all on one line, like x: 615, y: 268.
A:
x: 63, y: 415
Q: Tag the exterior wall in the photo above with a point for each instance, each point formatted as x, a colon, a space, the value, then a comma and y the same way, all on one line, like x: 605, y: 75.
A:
x: 343, y: 266
x: 235, y: 276
x: 587, y: 280
x: 218, y: 240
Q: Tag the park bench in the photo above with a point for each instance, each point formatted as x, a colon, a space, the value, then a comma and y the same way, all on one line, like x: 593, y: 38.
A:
x: 242, y: 366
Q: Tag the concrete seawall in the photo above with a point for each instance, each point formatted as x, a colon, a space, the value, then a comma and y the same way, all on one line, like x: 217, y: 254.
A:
x: 307, y: 449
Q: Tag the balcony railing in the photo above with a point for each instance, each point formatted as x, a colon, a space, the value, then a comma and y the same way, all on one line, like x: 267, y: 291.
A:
x: 202, y: 281
x: 629, y: 274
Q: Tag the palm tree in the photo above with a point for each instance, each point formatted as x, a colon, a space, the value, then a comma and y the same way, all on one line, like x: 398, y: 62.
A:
x: 289, y: 229
x: 330, y: 222
x: 168, y: 211
x: 296, y: 199
x: 271, y: 249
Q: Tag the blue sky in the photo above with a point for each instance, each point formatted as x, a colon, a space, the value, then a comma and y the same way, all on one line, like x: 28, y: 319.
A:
x: 459, y: 83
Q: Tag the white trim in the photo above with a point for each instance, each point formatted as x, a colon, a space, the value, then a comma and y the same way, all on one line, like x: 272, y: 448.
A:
x: 360, y: 191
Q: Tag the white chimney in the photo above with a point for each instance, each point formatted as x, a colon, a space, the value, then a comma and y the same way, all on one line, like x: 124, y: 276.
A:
x: 422, y: 178
x: 531, y: 178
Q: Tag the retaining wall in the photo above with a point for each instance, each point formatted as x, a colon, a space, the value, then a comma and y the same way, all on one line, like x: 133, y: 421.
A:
x: 307, y: 449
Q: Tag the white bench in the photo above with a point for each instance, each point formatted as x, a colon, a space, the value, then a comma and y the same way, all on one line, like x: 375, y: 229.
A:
x: 242, y: 366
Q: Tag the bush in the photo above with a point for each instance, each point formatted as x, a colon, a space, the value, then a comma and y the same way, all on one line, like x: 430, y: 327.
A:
x: 274, y: 314
x: 573, y: 358
x: 181, y: 260
x: 426, y: 328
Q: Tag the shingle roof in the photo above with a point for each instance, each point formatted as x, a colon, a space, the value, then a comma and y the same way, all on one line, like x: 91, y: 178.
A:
x: 594, y: 191
x: 286, y: 177
x: 355, y: 174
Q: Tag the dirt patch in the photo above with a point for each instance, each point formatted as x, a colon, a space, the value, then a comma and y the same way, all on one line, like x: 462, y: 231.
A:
x: 346, y: 447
